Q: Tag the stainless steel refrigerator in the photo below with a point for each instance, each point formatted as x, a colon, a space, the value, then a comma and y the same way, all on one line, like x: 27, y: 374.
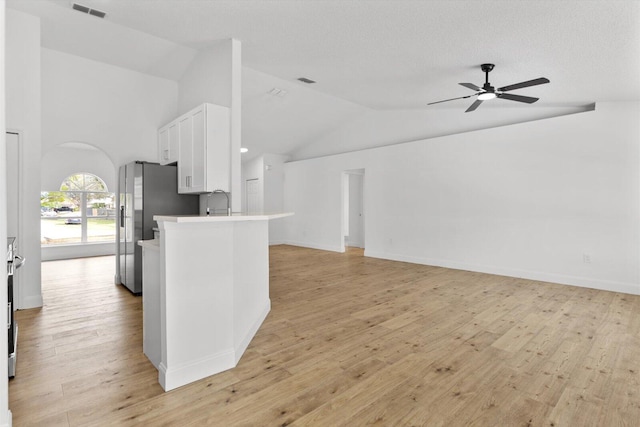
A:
x: 144, y: 190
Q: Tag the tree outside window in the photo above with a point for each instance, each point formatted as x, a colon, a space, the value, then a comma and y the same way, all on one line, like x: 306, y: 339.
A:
x: 83, y: 211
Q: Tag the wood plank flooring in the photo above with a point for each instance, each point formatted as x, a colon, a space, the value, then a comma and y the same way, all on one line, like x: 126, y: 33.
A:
x: 350, y: 341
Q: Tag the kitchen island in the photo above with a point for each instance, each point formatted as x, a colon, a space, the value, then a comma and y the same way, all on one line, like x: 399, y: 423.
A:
x: 205, y: 293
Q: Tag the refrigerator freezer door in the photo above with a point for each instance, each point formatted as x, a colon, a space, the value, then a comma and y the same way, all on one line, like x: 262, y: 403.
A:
x: 127, y: 236
x: 122, y: 260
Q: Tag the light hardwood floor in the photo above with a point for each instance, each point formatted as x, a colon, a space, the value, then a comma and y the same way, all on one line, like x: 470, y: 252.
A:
x: 349, y: 341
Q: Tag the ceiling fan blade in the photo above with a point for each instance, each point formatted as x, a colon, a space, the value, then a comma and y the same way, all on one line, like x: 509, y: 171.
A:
x: 519, y: 98
x: 473, y: 106
x: 452, y: 99
x: 470, y: 86
x: 528, y: 83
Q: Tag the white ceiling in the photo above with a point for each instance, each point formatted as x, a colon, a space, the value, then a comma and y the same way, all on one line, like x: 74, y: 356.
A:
x: 377, y: 63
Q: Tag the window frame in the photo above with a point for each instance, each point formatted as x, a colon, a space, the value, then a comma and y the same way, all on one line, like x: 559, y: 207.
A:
x: 82, y: 193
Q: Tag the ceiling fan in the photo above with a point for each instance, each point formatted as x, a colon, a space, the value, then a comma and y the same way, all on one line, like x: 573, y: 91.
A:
x: 487, y: 91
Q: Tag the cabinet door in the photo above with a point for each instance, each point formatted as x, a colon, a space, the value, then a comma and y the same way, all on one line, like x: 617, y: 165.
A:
x: 199, y: 150
x: 168, y: 144
x: 173, y: 143
x: 185, y: 156
x: 163, y: 145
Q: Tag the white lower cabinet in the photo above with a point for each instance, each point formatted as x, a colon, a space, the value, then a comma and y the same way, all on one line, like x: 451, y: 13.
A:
x: 203, y: 149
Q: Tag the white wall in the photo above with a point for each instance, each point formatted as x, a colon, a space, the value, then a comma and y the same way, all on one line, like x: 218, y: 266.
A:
x: 208, y: 78
x: 269, y: 170
x: 273, y: 196
x: 23, y: 113
x: 116, y: 110
x: 215, y: 76
x: 527, y: 200
x: 61, y: 161
x: 5, y: 414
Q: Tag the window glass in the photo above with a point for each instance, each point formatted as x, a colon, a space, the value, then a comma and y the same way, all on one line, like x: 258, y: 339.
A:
x: 82, y: 211
x: 101, y: 220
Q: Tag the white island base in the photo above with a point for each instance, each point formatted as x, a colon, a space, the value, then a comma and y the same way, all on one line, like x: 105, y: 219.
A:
x: 205, y: 293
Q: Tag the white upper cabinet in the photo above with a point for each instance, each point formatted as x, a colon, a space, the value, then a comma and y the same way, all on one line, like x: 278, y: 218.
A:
x: 168, y: 144
x: 202, y: 149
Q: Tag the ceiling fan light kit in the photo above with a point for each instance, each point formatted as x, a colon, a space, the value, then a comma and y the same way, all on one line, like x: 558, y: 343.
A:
x: 488, y: 92
x: 486, y: 96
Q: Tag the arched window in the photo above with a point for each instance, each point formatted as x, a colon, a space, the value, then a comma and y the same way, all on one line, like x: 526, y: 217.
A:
x: 83, y: 211
x: 83, y: 182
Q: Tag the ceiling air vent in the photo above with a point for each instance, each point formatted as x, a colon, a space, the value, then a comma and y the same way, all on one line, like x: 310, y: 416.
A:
x: 306, y: 80
x: 85, y: 9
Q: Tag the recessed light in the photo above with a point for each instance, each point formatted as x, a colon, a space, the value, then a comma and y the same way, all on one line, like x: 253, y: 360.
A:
x: 244, y: 150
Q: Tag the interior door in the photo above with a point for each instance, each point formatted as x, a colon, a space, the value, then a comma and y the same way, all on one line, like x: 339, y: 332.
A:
x: 356, y: 210
x: 253, y: 196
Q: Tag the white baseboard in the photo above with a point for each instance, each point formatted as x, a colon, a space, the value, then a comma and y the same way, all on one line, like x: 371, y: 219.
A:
x: 31, y: 302
x: 585, y: 282
x: 241, y: 347
x: 187, y: 373
x: 313, y: 246
x: 9, y: 419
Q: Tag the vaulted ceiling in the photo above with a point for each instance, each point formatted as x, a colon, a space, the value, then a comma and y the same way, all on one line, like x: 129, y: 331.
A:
x: 376, y: 63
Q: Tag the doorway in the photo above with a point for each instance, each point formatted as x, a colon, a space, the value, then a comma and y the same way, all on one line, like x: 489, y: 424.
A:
x: 353, y: 208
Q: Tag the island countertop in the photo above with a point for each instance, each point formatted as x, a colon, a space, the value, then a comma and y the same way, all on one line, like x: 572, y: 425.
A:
x: 221, y: 218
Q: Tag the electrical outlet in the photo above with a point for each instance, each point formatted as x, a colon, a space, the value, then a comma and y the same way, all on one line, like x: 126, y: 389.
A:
x: 586, y: 258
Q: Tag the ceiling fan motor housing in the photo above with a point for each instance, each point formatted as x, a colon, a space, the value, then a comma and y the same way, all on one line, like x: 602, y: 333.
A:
x: 487, y: 67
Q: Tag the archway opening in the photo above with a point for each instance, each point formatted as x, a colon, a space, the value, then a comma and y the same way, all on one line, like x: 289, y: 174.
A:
x: 77, y: 202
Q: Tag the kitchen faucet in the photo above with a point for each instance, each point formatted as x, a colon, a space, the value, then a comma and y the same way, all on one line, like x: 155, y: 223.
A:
x: 226, y: 195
